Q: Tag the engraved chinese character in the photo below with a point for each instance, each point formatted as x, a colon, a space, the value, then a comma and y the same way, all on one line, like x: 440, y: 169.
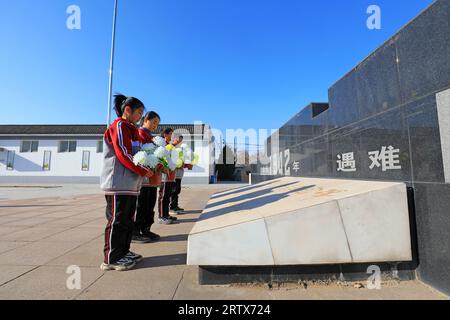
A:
x: 387, y: 158
x: 296, y: 166
x: 346, y: 162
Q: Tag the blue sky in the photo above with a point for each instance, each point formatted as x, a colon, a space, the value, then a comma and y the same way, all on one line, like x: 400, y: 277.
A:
x: 230, y: 63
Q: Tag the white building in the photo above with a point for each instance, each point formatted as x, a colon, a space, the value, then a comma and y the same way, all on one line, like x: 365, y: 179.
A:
x: 73, y: 153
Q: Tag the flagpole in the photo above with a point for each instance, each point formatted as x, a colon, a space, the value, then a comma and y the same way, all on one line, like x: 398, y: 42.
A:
x: 111, y: 63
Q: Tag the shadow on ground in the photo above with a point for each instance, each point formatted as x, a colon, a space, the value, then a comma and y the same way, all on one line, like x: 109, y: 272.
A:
x: 251, y: 204
x: 192, y: 212
x: 250, y: 195
x: 242, y: 189
x: 163, y: 261
x: 33, y: 206
x: 178, y: 237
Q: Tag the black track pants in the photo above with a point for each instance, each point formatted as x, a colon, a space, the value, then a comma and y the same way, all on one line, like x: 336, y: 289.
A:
x: 120, y: 210
x: 175, y: 194
x: 145, y: 212
x: 165, y: 193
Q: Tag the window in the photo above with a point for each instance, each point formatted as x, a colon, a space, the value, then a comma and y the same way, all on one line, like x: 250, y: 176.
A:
x: 85, y: 161
x: 3, y: 155
x: 29, y: 146
x: 72, y: 146
x: 47, y: 158
x: 100, y: 146
x: 10, y: 160
x: 67, y: 146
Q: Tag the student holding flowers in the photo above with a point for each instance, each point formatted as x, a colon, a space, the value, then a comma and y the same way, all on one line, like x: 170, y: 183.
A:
x: 167, y: 184
x: 121, y: 180
x: 145, y: 213
x: 184, y: 162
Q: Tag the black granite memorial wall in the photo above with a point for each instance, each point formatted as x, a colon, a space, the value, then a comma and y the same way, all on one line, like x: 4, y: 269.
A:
x: 382, y: 123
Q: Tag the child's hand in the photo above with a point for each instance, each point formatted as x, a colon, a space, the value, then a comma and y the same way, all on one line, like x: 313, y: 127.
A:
x: 149, y: 174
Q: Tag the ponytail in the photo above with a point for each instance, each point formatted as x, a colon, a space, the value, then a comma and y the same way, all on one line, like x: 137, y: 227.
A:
x: 121, y: 101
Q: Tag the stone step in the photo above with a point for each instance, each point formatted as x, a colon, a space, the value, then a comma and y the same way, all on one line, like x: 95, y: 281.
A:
x: 303, y: 221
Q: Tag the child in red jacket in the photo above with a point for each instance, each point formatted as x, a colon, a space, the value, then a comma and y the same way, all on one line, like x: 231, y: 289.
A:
x: 121, y: 180
x: 145, y: 213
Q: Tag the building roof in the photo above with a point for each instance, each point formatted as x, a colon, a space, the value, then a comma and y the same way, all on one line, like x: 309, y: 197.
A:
x: 77, y: 130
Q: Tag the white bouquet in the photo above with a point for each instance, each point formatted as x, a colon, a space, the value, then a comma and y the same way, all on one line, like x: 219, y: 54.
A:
x: 150, y: 156
x: 195, y: 159
x: 159, y: 141
x: 161, y: 152
x: 189, y: 157
x: 186, y: 153
x: 140, y: 158
x: 172, y: 165
x: 145, y: 159
x: 170, y: 158
x: 175, y: 158
x: 149, y: 147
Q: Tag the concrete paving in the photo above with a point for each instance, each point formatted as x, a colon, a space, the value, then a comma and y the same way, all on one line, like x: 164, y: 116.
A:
x: 42, y: 236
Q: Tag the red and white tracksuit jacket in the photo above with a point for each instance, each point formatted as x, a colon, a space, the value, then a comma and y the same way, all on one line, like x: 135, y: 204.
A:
x: 120, y: 176
x: 145, y: 137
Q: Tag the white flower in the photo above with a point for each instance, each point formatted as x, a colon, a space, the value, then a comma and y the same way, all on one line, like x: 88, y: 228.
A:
x: 180, y: 154
x: 172, y: 165
x: 149, y: 147
x: 161, y: 152
x: 174, y: 155
x: 185, y: 147
x: 159, y: 141
x: 187, y: 153
x: 195, y: 159
x: 140, y: 158
x: 143, y: 159
x: 151, y: 161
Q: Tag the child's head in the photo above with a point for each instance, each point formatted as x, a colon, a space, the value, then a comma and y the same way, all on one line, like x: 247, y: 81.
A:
x: 177, y: 139
x: 128, y: 108
x: 167, y: 134
x: 151, y: 121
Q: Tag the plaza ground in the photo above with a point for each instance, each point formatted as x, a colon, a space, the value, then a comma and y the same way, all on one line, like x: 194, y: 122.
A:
x: 46, y: 229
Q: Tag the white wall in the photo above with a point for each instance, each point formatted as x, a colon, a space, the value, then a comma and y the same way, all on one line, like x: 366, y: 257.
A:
x: 62, y: 164
x: 69, y: 164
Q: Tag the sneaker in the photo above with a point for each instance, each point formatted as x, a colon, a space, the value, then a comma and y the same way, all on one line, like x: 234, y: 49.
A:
x: 173, y: 212
x: 165, y: 221
x: 178, y: 209
x: 151, y: 235
x: 123, y: 264
x: 134, y: 256
x: 172, y: 218
x: 140, y: 239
